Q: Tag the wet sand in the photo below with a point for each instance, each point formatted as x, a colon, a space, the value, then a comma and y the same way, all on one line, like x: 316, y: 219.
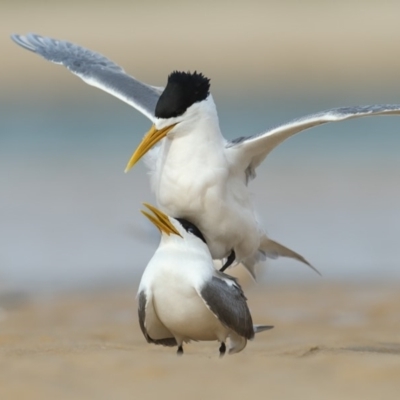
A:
x: 331, y: 341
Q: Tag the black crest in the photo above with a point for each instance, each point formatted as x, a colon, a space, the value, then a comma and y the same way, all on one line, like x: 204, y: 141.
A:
x: 191, y: 228
x: 183, y: 89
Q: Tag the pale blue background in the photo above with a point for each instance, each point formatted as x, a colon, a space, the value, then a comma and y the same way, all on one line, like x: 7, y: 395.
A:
x: 69, y: 215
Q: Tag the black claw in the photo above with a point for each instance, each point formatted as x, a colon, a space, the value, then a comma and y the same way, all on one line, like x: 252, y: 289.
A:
x: 222, y: 349
x: 229, y: 261
x: 179, y: 351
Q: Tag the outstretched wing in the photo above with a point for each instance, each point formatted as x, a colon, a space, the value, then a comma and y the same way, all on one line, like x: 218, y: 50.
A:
x: 250, y: 151
x: 225, y: 299
x: 96, y: 70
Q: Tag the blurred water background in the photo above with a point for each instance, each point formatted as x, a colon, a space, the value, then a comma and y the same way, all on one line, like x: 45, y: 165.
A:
x: 69, y: 215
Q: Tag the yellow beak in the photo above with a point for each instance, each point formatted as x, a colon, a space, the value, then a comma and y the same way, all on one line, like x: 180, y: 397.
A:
x: 150, y: 139
x: 160, y: 220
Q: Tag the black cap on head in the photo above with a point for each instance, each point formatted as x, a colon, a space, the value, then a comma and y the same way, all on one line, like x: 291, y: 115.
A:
x: 183, y: 89
x: 191, y: 228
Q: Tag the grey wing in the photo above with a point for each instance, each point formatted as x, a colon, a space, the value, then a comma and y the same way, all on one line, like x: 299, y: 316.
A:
x: 95, y: 69
x: 226, y: 300
x: 251, y: 151
x: 160, y: 334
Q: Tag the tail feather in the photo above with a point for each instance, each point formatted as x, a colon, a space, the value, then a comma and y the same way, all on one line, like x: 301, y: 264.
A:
x: 274, y: 250
x: 262, y: 328
x: 236, y: 343
x: 251, y: 263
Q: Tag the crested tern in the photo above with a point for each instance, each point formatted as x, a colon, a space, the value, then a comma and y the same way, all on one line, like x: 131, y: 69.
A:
x: 196, y: 173
x: 182, y: 297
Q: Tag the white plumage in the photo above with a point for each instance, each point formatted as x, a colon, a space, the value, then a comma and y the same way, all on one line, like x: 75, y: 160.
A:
x: 183, y: 298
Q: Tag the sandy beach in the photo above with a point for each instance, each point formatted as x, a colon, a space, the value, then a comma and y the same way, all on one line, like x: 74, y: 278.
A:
x: 331, y: 341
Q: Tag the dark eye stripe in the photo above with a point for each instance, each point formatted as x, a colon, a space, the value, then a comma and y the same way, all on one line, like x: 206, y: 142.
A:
x: 191, y: 228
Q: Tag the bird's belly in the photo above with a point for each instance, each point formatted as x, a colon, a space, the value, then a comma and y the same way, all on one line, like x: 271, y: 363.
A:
x: 185, y: 314
x: 236, y: 231
x: 224, y: 216
x: 188, y: 193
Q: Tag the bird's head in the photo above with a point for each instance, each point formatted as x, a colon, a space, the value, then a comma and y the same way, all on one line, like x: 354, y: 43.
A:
x: 179, y: 102
x: 172, y: 226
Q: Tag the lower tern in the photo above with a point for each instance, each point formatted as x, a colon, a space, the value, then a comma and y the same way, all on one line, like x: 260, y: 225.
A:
x: 196, y: 173
x: 182, y: 297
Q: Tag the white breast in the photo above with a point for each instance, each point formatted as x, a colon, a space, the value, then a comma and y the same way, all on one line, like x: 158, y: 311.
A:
x: 173, y: 277
x: 192, y: 179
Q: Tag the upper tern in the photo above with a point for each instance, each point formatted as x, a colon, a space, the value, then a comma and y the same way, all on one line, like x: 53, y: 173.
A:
x: 196, y: 173
x: 182, y: 297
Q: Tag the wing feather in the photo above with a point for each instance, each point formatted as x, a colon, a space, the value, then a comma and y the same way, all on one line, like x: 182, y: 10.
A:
x: 165, y: 337
x: 251, y: 151
x: 226, y: 300
x: 94, y: 69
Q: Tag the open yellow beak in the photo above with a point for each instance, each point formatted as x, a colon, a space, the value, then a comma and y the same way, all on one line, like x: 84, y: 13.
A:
x: 150, y: 139
x: 160, y: 220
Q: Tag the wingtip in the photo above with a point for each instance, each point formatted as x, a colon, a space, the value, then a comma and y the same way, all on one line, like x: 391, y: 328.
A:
x: 23, y: 41
x: 15, y: 37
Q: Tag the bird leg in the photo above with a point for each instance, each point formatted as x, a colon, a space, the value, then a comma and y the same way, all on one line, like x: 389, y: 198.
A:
x: 180, y: 350
x: 229, y: 261
x: 222, y: 349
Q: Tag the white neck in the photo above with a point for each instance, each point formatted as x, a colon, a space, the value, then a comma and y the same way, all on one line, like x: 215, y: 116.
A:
x: 196, y: 138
